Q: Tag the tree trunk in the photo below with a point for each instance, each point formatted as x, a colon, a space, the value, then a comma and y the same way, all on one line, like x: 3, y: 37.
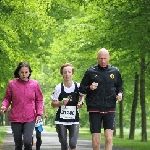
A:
x: 0, y: 119
x: 134, y: 107
x: 142, y: 99
x: 121, y: 119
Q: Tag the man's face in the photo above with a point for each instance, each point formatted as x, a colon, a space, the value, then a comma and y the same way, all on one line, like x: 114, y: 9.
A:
x: 103, y: 58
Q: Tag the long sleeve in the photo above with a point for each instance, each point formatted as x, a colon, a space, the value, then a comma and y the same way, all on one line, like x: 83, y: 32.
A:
x: 7, y: 98
x: 85, y: 84
x: 119, y: 88
x: 39, y: 100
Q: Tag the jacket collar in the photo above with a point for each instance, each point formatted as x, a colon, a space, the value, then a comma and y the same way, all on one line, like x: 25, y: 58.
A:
x: 103, y: 67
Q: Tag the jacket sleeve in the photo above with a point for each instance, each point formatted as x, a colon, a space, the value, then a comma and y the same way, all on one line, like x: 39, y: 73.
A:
x: 7, y: 98
x: 119, y: 88
x: 85, y: 83
x: 38, y: 100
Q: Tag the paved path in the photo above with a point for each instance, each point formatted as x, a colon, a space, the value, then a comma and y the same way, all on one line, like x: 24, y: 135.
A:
x: 50, y: 142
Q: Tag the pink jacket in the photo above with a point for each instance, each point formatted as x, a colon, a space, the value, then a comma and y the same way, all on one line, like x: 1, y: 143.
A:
x: 25, y: 98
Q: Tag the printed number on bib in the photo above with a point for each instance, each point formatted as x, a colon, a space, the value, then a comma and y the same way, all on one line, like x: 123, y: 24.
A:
x: 38, y: 122
x: 68, y: 112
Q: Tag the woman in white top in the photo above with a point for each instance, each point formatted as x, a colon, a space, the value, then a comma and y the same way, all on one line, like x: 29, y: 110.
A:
x: 67, y: 98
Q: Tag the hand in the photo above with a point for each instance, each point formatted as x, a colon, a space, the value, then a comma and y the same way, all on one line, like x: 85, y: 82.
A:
x: 79, y: 105
x: 119, y: 96
x: 3, y: 109
x: 46, y: 116
x: 94, y: 86
x: 65, y: 101
x: 38, y: 118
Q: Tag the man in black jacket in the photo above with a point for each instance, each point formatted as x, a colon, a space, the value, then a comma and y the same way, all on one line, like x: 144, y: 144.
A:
x: 102, y: 85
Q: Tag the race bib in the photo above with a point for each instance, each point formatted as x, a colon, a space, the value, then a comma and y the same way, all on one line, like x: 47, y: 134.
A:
x: 38, y: 123
x: 68, y: 112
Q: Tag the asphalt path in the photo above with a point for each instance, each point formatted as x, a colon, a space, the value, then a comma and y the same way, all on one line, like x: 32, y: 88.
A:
x: 50, y: 142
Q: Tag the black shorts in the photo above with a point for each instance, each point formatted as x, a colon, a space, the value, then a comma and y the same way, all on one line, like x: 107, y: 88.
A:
x: 96, y: 119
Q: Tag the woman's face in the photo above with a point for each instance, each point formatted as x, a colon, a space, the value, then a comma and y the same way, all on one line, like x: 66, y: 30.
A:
x: 24, y: 73
x: 67, y: 73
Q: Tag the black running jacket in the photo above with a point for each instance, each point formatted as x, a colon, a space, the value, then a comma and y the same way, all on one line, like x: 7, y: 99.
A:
x: 109, y: 81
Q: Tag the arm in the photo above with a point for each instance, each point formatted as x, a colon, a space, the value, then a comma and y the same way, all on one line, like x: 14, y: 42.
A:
x: 81, y: 101
x: 56, y: 103
x: 119, y: 88
x: 7, y: 99
x: 38, y: 100
x: 44, y: 112
x: 85, y: 84
x: 54, y: 97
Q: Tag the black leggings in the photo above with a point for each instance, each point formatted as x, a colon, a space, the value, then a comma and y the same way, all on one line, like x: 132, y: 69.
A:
x: 38, y: 138
x: 24, y: 130
x: 73, y: 135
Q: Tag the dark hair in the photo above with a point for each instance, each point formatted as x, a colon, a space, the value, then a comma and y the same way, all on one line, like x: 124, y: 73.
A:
x: 65, y: 65
x: 20, y: 65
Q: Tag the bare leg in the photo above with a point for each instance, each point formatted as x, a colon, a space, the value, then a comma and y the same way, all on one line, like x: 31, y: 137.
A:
x: 108, y: 139
x: 96, y: 141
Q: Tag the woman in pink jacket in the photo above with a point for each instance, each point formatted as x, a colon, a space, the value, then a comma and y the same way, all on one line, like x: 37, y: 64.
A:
x: 25, y: 97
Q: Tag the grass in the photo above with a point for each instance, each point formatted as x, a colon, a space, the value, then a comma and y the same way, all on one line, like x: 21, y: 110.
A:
x: 122, y: 142
x: 49, y: 128
x: 2, y: 134
x: 133, y: 144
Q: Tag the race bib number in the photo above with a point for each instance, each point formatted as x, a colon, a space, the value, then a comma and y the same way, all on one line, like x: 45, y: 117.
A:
x: 38, y: 122
x: 68, y: 112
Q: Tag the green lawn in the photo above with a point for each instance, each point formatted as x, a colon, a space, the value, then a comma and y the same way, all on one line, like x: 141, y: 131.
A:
x: 122, y: 142
x: 2, y: 133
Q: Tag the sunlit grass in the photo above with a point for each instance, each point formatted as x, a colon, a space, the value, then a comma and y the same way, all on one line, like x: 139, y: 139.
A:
x: 135, y: 144
x: 2, y: 134
x: 49, y: 128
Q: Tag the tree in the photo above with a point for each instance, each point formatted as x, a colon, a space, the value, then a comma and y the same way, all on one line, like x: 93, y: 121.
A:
x: 130, y: 33
x: 134, y: 107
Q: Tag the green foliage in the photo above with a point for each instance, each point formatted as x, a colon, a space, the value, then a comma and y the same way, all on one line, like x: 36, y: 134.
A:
x: 2, y: 134
x: 48, y: 33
